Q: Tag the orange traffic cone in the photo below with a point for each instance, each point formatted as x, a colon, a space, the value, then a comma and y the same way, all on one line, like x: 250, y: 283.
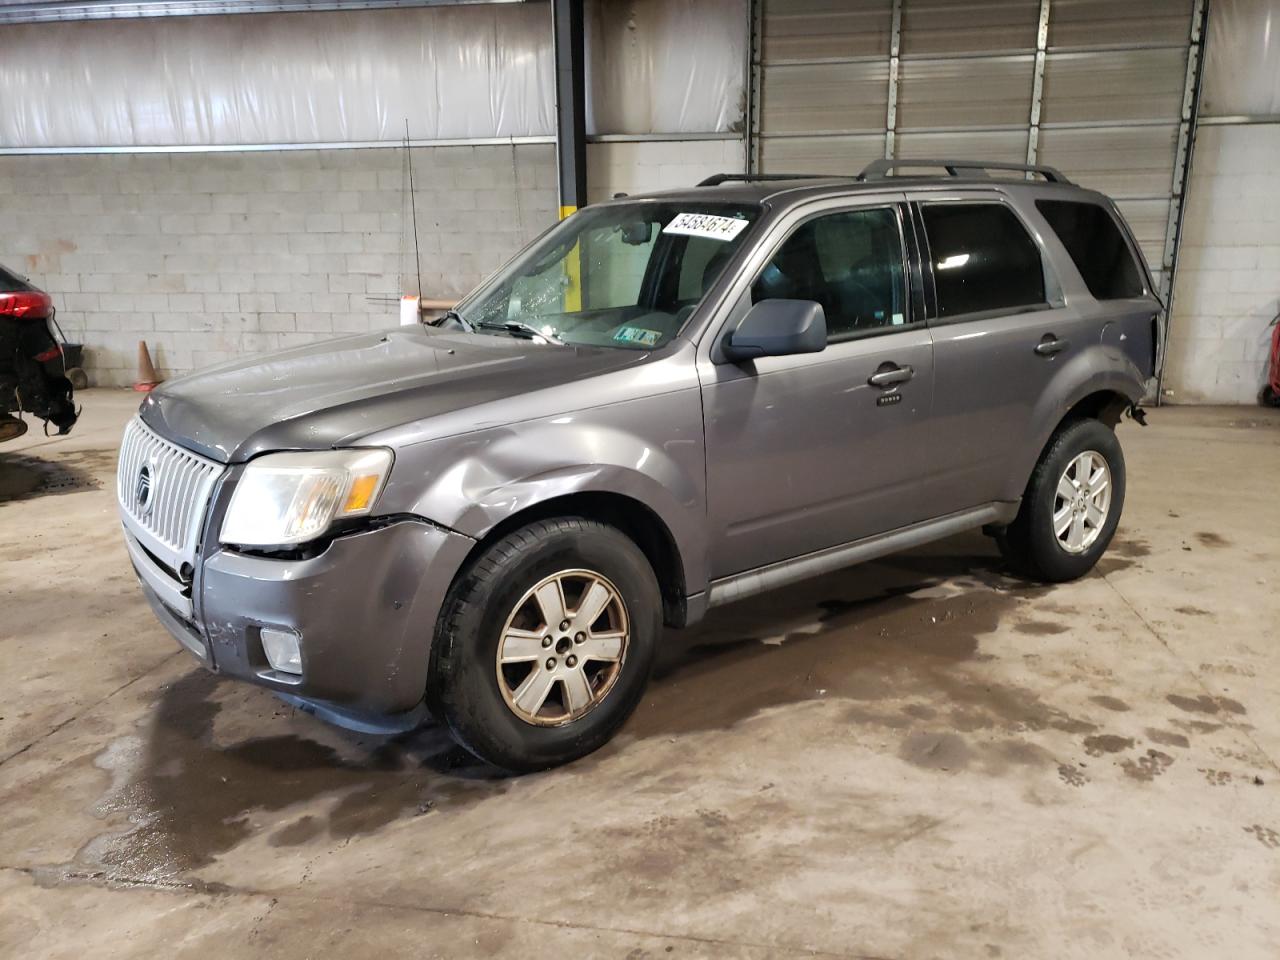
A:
x: 147, y: 376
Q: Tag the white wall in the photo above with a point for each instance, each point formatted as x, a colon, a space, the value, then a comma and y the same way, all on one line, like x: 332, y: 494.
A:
x: 633, y: 167
x: 1228, y: 286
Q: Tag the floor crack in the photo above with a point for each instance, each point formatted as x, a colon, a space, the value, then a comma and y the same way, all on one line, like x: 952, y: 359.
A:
x: 125, y: 884
x: 88, y: 707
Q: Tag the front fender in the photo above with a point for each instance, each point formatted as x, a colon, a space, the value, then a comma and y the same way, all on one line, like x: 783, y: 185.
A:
x: 649, y: 450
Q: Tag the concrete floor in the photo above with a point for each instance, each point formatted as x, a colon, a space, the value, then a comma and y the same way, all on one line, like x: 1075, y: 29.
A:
x: 919, y: 757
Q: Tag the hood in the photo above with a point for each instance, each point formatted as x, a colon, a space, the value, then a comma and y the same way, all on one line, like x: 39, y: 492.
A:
x: 332, y: 393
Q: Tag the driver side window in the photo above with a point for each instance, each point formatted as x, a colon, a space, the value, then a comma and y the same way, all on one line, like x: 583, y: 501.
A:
x: 851, y: 263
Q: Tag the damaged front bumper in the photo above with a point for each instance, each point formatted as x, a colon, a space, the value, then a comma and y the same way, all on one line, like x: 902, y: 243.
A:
x: 364, y: 611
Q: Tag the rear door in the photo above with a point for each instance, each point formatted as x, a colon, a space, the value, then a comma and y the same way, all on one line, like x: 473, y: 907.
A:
x: 1001, y: 329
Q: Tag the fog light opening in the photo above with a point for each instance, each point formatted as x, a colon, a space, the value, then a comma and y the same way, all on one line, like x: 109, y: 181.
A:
x: 283, y: 651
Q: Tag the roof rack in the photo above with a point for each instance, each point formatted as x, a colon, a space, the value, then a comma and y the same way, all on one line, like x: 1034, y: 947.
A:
x: 718, y: 178
x: 879, y: 169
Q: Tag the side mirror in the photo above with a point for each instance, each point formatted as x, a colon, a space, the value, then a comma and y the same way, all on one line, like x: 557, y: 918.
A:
x: 778, y: 328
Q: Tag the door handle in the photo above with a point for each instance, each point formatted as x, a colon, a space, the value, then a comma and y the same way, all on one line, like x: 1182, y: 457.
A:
x: 887, y: 378
x: 1049, y: 345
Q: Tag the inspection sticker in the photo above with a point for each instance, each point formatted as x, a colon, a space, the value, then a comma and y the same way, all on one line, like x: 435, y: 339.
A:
x: 638, y: 335
x: 705, y: 225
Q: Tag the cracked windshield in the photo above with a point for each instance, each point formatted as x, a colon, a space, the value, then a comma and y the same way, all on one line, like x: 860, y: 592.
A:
x: 620, y: 275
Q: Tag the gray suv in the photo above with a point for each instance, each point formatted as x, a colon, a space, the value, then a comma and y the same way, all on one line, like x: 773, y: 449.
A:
x: 664, y: 404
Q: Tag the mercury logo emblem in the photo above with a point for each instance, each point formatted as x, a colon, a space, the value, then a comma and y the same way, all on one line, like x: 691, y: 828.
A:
x: 142, y: 492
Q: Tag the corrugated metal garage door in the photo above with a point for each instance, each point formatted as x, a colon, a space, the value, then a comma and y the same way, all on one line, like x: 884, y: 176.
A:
x: 838, y: 84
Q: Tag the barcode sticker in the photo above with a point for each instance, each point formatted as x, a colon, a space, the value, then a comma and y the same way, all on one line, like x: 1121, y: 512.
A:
x: 705, y: 225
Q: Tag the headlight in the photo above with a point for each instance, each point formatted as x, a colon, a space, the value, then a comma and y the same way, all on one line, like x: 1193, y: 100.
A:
x: 287, y: 498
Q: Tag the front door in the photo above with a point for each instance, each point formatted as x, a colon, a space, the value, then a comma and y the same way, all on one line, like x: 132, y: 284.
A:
x: 811, y: 451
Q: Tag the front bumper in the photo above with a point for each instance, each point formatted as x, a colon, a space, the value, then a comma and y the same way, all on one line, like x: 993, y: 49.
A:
x: 365, y: 609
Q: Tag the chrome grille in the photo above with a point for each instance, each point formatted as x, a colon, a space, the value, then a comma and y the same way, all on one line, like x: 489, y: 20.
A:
x: 163, y: 491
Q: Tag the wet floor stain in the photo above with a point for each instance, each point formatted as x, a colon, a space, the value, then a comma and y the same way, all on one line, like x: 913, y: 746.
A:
x: 897, y: 642
x: 1096, y: 746
x: 1264, y: 835
x: 906, y: 628
x: 25, y: 477
x: 1121, y: 554
x: 1146, y: 768
x: 1041, y: 628
x: 1167, y: 738
x: 1072, y: 775
x: 1206, y: 704
x: 1113, y: 704
x: 188, y: 798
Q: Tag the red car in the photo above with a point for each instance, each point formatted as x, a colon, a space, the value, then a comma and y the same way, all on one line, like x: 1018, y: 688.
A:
x: 33, y: 369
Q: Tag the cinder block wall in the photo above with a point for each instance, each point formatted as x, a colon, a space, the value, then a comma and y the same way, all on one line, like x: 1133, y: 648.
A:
x: 208, y: 256
x: 1228, y: 286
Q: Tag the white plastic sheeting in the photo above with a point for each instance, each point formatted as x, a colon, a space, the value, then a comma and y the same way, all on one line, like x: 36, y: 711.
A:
x: 456, y: 72
x: 1242, y: 69
x: 464, y: 72
x: 666, y: 66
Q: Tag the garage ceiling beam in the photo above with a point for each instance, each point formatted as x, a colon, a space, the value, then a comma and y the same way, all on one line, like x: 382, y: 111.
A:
x: 45, y: 11
x: 571, y: 104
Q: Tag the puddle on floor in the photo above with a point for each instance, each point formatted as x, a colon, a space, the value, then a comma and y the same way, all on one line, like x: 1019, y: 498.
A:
x: 25, y: 477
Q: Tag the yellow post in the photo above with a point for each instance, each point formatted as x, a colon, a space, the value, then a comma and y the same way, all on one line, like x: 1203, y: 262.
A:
x: 572, y: 270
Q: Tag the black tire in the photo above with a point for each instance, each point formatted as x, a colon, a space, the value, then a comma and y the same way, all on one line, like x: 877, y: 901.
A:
x: 1029, y: 544
x: 463, y: 683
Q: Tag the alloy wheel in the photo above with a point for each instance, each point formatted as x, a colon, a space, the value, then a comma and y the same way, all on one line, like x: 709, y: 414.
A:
x: 562, y: 647
x: 1082, y: 502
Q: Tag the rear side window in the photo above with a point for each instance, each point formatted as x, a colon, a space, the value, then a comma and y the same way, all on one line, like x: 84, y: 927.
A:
x: 1097, y: 247
x: 983, y: 258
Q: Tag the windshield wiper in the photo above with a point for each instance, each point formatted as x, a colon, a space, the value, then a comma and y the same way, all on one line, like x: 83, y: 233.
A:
x: 518, y: 328
x: 457, y: 318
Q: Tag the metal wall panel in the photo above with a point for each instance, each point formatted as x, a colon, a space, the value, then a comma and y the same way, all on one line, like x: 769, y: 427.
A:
x: 1112, y: 23
x: 825, y: 97
x: 949, y: 27
x: 1113, y: 85
x: 825, y: 29
x: 1096, y: 89
x: 1148, y: 220
x: 836, y: 156
x: 1004, y: 145
x: 969, y: 92
x: 1121, y: 161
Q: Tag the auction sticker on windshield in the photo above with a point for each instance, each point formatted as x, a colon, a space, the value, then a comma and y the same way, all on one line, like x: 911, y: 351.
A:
x: 705, y: 225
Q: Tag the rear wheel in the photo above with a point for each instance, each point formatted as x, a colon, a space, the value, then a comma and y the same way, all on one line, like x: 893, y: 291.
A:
x: 544, y: 645
x: 1071, y: 507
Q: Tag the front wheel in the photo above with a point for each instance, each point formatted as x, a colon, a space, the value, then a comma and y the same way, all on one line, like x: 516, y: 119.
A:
x: 1071, y: 507
x: 545, y: 643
